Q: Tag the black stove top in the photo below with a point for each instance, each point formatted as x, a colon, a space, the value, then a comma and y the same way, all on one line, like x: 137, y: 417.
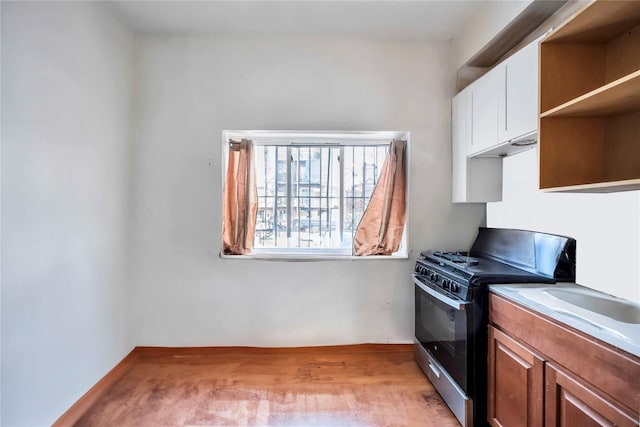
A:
x: 499, y: 256
x: 479, y: 270
x: 457, y: 258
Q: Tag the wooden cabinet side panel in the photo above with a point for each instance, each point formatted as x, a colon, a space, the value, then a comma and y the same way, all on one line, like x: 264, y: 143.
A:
x: 614, y: 372
x: 516, y: 381
x: 568, y: 71
x: 570, y: 404
x: 571, y: 151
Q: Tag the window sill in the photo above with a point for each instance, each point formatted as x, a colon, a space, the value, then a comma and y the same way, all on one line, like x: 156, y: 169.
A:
x: 313, y: 257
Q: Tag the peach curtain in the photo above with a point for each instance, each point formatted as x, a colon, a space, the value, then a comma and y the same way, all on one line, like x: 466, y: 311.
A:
x: 240, y: 203
x: 380, y: 229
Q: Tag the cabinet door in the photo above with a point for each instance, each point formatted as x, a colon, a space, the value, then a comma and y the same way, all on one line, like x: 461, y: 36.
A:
x: 568, y: 403
x: 515, y: 382
x: 484, y: 111
x: 518, y: 100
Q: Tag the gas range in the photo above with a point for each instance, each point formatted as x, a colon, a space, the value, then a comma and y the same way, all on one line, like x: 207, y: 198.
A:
x: 454, y: 273
x: 451, y: 307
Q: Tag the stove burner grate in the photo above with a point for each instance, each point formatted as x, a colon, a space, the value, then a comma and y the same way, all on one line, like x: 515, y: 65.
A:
x: 458, y: 258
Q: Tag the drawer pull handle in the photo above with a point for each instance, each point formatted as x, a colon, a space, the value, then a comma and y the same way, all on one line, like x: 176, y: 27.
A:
x: 435, y: 370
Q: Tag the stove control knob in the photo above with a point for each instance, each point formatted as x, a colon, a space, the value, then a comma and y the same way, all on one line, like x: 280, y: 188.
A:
x: 454, y: 287
x: 433, y: 277
x: 445, y: 283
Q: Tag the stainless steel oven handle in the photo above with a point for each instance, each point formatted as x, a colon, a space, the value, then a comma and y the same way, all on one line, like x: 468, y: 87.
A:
x: 435, y: 370
x: 440, y: 297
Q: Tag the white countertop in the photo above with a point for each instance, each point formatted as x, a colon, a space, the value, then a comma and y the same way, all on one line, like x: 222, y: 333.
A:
x: 536, y: 296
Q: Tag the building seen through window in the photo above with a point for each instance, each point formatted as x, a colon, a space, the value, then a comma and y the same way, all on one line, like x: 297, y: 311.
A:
x: 313, y: 196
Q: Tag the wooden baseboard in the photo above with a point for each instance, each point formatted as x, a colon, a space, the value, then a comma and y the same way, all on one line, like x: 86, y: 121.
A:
x: 73, y: 414
x: 213, y: 351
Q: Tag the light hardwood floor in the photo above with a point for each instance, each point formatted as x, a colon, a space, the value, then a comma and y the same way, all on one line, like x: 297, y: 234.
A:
x: 364, y: 385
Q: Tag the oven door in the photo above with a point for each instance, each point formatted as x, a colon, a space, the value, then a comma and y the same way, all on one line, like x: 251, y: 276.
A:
x: 443, y: 327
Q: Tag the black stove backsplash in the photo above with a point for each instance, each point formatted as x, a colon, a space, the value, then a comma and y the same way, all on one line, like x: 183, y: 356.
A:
x: 548, y: 255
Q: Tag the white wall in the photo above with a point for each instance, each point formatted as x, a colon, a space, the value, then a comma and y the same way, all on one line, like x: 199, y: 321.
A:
x: 482, y: 27
x: 606, y: 226
x: 67, y: 74
x: 188, y: 91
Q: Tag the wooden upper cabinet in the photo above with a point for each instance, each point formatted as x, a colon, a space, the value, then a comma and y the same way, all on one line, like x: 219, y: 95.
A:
x: 589, y: 132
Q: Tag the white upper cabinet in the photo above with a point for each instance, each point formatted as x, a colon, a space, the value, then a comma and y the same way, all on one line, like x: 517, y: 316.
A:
x: 484, y: 111
x: 474, y: 180
x: 492, y: 113
x: 504, y: 105
x: 518, y: 103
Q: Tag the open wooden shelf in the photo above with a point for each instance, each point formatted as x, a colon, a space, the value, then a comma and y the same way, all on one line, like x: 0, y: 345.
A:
x: 615, y: 98
x: 589, y: 133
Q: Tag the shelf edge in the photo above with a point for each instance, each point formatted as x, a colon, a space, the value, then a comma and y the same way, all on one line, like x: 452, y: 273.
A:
x: 598, y: 187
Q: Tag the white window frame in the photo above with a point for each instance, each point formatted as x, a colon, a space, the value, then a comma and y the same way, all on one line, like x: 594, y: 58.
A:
x: 320, y: 138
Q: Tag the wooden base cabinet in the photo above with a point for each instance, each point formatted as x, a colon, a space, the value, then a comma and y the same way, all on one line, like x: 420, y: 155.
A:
x: 541, y: 372
x: 516, y: 381
x: 569, y: 403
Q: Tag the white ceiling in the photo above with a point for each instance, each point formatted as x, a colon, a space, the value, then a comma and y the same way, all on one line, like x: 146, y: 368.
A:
x: 392, y: 20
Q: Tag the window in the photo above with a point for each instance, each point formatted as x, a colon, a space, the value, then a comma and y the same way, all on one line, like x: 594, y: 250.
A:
x: 313, y: 188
